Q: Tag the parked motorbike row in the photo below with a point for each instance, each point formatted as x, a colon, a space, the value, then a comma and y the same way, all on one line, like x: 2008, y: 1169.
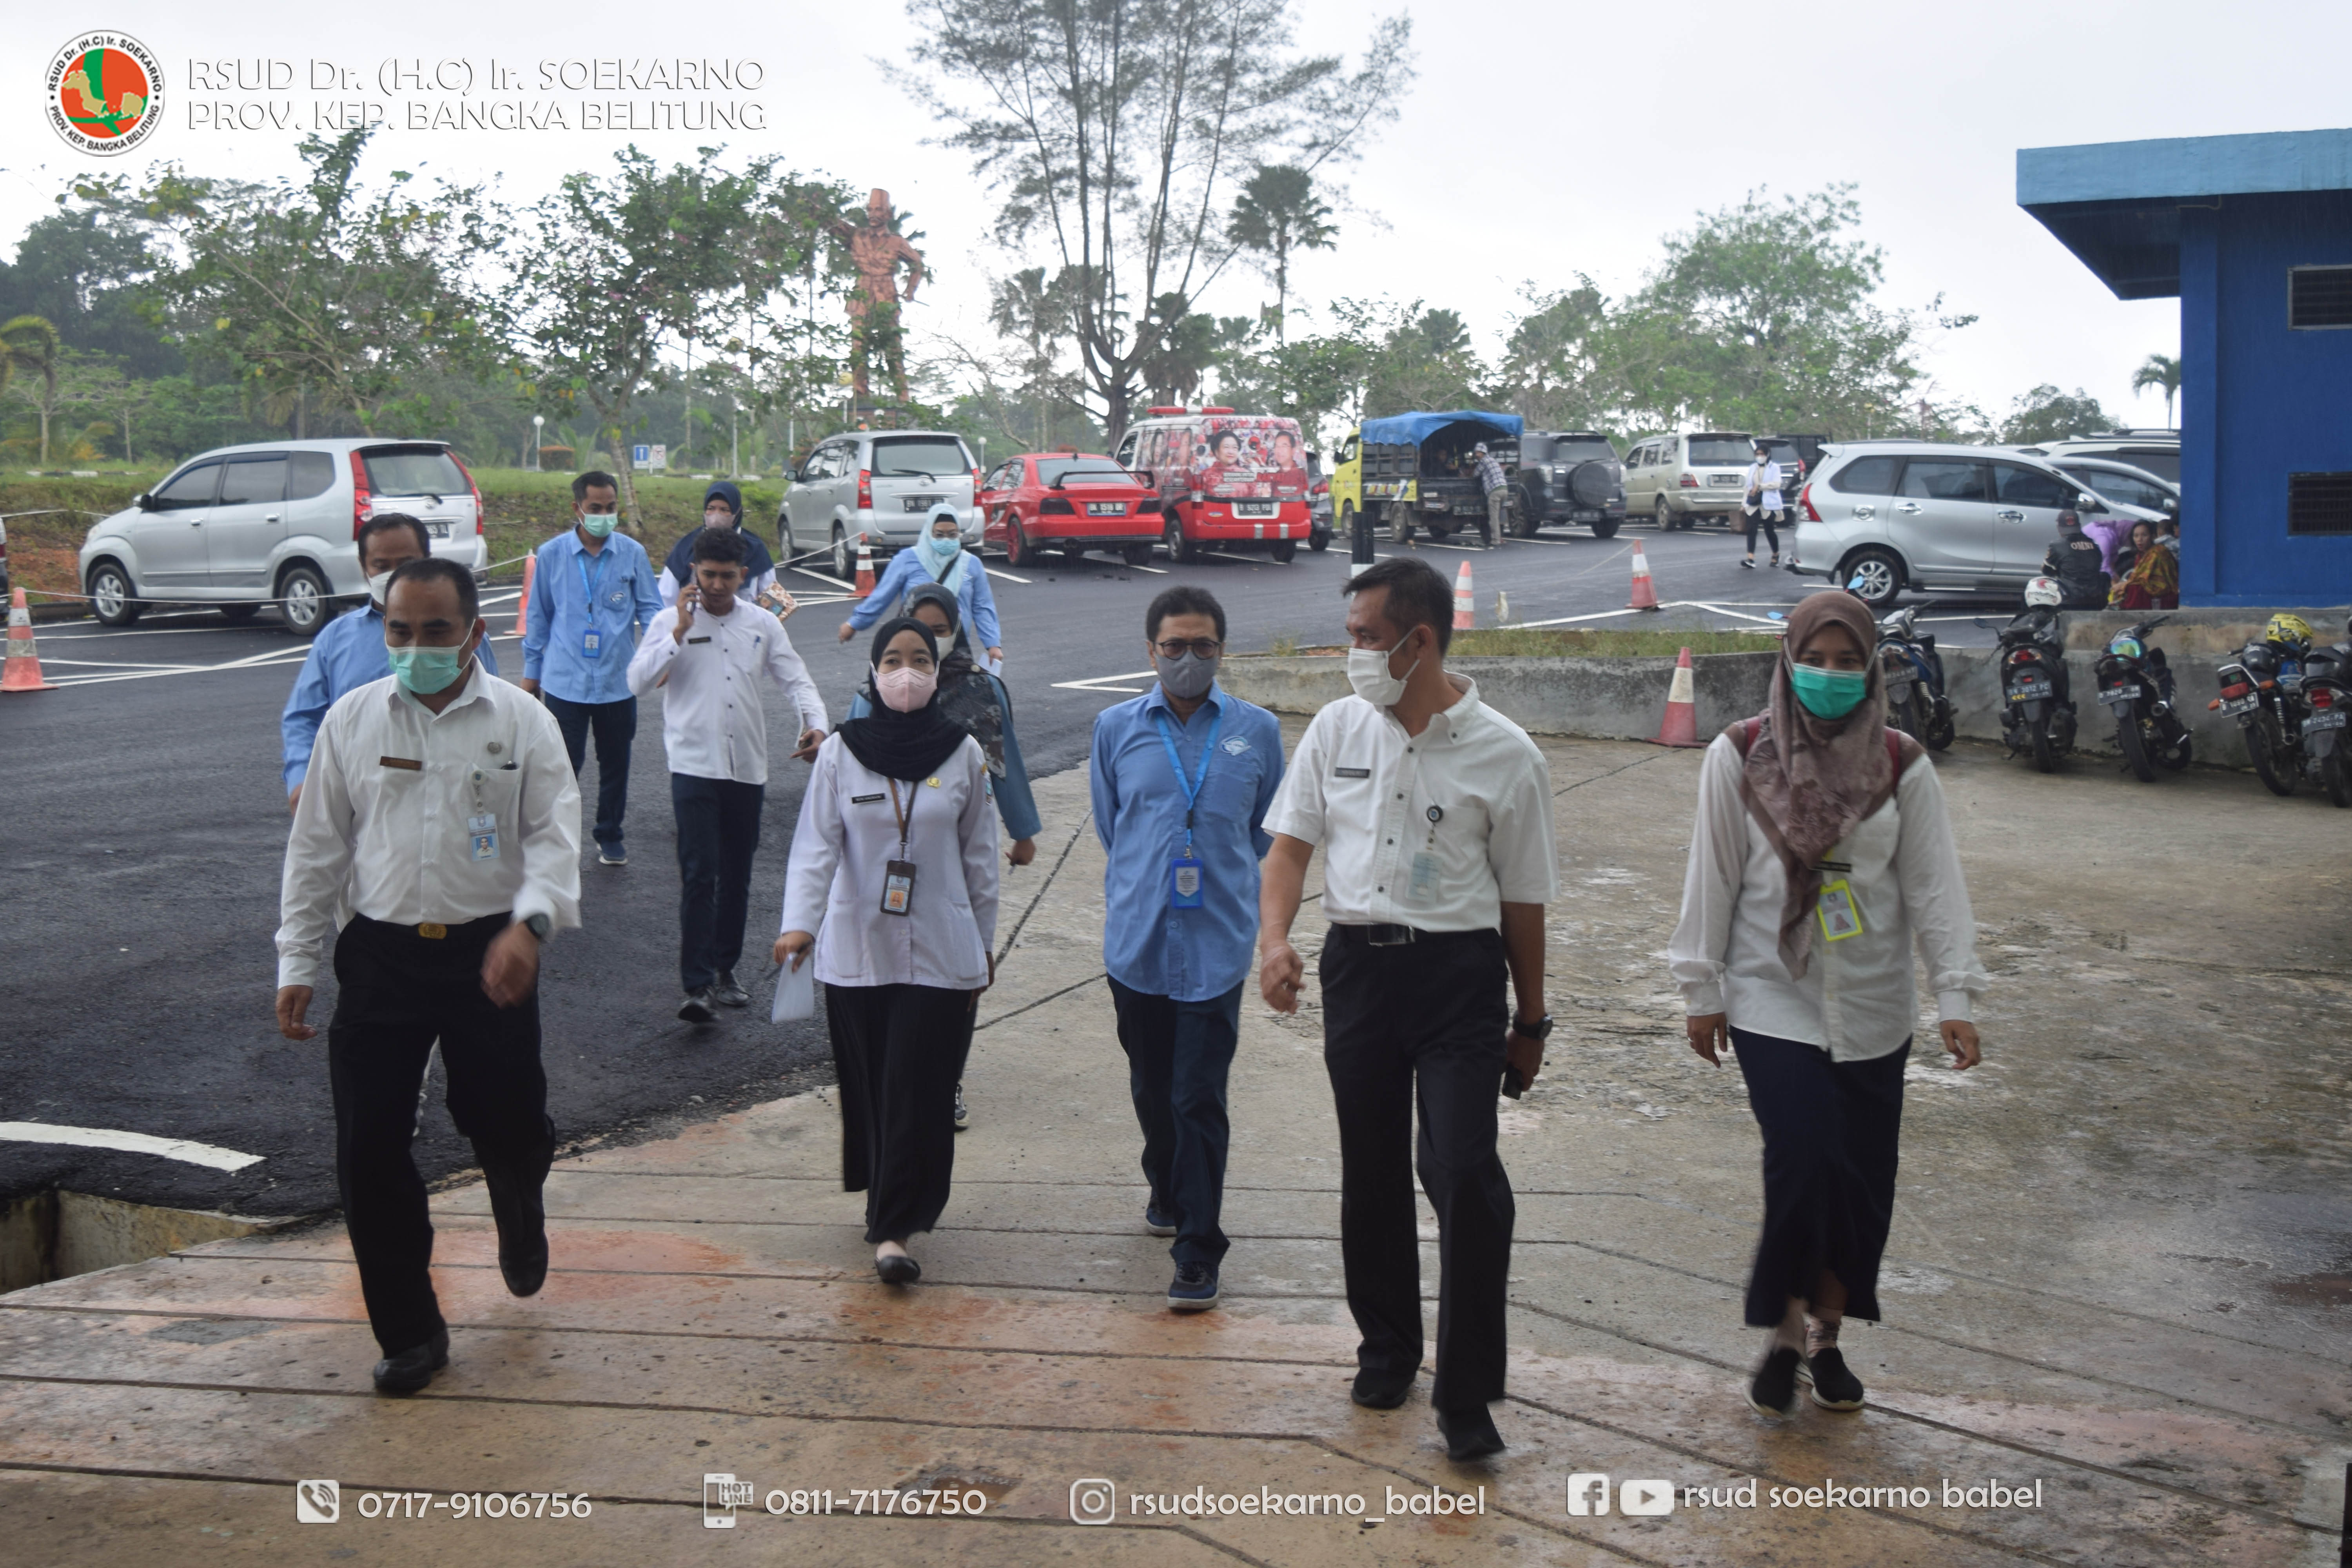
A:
x: 2290, y: 700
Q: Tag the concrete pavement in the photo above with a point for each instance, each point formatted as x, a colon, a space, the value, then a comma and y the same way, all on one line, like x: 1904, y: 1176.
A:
x: 2119, y: 1276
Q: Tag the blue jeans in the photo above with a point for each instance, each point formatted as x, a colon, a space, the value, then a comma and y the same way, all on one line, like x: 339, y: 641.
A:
x: 1178, y: 1054
x: 615, y: 724
x: 717, y: 833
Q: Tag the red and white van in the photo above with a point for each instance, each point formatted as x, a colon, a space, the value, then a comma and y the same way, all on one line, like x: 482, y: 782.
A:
x: 1227, y: 482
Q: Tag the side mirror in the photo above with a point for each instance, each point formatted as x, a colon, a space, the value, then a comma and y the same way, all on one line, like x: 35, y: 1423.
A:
x: 143, y: 501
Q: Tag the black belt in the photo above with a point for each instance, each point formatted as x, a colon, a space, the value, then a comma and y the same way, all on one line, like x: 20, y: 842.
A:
x: 1390, y: 935
x: 432, y: 931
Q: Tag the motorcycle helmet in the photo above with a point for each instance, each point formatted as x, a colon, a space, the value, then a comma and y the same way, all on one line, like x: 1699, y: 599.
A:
x: 2043, y: 594
x: 2287, y: 632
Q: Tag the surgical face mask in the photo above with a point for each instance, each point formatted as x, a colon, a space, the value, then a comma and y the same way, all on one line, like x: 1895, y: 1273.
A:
x: 425, y: 669
x: 906, y: 688
x: 936, y: 552
x: 1828, y: 693
x: 378, y: 586
x: 598, y: 523
x: 718, y: 517
x: 1368, y: 672
x: 1188, y: 676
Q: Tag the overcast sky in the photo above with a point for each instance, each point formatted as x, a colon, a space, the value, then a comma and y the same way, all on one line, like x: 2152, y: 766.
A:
x: 1540, y: 141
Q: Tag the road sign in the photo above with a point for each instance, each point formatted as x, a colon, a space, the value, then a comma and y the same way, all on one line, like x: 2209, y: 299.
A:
x: 653, y: 457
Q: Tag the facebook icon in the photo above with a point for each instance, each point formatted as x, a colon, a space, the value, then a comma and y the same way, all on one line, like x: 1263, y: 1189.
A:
x: 1587, y: 1493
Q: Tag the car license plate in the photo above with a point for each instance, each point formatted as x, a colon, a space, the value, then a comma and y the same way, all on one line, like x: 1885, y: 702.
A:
x: 919, y: 503
x: 1584, y: 516
x: 438, y: 530
x: 1256, y: 508
x: 1723, y: 479
x: 2328, y: 720
x: 2234, y: 706
x: 1105, y: 508
x: 2119, y: 694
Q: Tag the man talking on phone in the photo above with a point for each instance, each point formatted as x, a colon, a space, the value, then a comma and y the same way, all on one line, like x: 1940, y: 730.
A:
x: 1434, y: 815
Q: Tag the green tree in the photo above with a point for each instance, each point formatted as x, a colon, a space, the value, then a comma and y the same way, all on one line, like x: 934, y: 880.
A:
x: 1552, y: 375
x: 1041, y: 315
x: 29, y: 348
x: 1114, y: 128
x: 2046, y: 414
x: 1278, y: 213
x: 88, y: 271
x: 2160, y: 370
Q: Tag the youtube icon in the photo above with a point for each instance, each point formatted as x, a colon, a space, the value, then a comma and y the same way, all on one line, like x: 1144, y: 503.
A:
x: 1639, y: 1499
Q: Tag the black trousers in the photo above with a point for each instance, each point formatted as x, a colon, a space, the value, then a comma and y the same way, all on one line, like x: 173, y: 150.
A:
x: 894, y: 1053
x: 1764, y: 519
x: 1421, y: 1024
x: 1829, y: 1133
x: 398, y: 993
x: 1178, y: 1056
x: 717, y: 833
x: 615, y: 727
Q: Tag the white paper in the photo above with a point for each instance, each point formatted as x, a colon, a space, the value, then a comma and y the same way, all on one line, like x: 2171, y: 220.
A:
x: 795, y: 991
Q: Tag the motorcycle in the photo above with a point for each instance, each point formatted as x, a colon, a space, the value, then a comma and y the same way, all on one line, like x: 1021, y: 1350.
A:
x: 2135, y: 686
x: 1915, y: 703
x: 2261, y: 688
x: 2037, y: 710
x: 2327, y: 694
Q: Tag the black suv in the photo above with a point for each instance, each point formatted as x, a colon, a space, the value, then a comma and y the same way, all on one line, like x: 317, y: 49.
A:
x: 1569, y: 476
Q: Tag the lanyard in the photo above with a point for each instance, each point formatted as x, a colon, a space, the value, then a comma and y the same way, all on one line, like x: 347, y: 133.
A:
x: 901, y: 815
x: 1192, y: 788
x: 586, y: 586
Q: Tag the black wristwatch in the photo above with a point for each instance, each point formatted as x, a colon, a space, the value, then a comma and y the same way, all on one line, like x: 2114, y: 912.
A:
x: 539, y: 926
x: 1537, y: 1031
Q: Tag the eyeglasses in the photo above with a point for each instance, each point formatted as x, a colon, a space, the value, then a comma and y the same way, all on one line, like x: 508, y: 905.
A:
x: 1199, y: 647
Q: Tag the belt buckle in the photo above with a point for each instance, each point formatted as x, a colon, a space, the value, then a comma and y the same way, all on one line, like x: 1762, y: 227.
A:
x: 432, y: 931
x: 1373, y: 939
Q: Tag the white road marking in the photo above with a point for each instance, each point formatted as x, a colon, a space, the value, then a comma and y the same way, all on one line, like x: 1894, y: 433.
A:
x: 1155, y: 570
x: 179, y: 1148
x: 1103, y: 683
x: 828, y: 578
x: 1006, y: 576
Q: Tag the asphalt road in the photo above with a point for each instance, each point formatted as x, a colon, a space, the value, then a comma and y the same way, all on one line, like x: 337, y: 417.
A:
x: 144, y: 827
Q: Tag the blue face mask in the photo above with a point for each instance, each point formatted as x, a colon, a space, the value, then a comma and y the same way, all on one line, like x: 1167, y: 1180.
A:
x: 1828, y: 693
x: 937, y: 553
x: 425, y: 671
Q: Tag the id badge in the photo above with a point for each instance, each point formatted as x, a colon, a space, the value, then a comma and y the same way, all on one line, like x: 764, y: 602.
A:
x: 484, y: 831
x: 1423, y: 886
x: 898, y: 887
x: 591, y: 643
x: 1840, y: 915
x: 1184, y: 883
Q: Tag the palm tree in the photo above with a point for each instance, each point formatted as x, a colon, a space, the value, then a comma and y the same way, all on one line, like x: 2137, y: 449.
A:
x: 30, y: 344
x: 2160, y: 370
x: 1276, y: 213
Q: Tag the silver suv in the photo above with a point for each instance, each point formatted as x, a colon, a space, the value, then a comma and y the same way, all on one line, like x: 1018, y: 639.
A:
x: 1932, y: 517
x: 2158, y: 451
x: 274, y: 522
x: 1676, y: 480
x: 879, y: 486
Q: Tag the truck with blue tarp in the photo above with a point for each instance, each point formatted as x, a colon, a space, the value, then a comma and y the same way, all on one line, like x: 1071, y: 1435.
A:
x: 1419, y: 469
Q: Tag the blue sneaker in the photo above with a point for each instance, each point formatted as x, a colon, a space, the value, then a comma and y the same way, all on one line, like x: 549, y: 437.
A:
x: 1194, y: 1289
x: 1157, y: 1223
x: 613, y: 854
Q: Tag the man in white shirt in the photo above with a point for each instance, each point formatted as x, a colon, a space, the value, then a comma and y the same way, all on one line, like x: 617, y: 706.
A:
x: 1434, y: 815
x: 708, y: 653
x: 441, y: 805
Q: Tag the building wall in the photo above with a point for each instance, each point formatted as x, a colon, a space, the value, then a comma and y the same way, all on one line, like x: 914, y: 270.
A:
x: 2259, y: 401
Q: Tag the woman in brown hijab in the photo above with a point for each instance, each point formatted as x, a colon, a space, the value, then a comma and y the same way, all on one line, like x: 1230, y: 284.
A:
x: 1821, y: 854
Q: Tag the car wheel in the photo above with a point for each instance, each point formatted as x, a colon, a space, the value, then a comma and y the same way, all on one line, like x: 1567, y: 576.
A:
x: 1881, y: 575
x: 1285, y: 551
x: 1399, y: 518
x: 303, y: 600
x: 111, y: 598
x: 1074, y: 554
x: 1605, y: 529
x: 1348, y: 525
x: 784, y: 537
x: 1179, y: 549
x: 1318, y: 540
x: 1664, y: 516
x: 1016, y: 544
x: 1137, y: 554
x: 239, y: 614
x: 844, y: 564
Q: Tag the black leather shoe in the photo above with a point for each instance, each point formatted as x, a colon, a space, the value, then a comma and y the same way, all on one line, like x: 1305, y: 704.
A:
x: 701, y: 1006
x: 898, y: 1270
x: 524, y: 1269
x: 1469, y: 1434
x: 520, y: 1214
x: 412, y: 1368
x: 1380, y: 1390
x: 727, y: 994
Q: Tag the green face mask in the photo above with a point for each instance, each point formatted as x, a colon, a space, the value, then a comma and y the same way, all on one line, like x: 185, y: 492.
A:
x: 598, y: 523
x: 425, y: 671
x: 1828, y: 693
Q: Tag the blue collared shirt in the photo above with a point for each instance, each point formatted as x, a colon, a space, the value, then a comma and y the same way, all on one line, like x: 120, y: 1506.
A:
x: 1191, y: 956
x: 906, y: 572
x: 626, y: 597
x: 347, y: 654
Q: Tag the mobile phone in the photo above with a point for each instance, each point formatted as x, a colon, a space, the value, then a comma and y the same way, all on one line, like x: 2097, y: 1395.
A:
x: 1514, y: 1085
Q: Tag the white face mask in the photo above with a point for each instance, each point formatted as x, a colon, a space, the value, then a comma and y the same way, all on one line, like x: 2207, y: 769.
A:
x: 378, y: 586
x: 1368, y: 672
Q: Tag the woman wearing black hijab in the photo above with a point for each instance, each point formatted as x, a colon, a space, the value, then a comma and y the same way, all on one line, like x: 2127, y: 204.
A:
x: 892, y: 893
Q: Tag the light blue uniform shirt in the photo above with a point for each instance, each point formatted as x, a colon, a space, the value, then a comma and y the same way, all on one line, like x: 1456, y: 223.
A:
x: 906, y: 572
x: 1196, y: 954
x: 347, y: 654
x: 626, y: 596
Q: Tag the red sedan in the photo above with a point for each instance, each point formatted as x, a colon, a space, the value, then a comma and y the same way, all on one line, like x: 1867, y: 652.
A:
x: 1069, y: 501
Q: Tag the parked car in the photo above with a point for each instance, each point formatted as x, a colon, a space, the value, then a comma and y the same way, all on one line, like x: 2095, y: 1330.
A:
x: 1418, y: 468
x: 1569, y: 477
x: 2156, y: 451
x: 1225, y: 481
x: 1069, y: 501
x: 239, y: 527
x: 2123, y: 482
x: 878, y: 486
x: 1318, y: 504
x: 1680, y: 481
x: 1933, y: 517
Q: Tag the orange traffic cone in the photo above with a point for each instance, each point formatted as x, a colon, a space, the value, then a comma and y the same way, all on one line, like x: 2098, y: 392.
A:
x: 1645, y: 593
x: 23, y: 671
x: 522, y: 605
x: 1681, y: 725
x: 1465, y: 606
x: 864, y: 584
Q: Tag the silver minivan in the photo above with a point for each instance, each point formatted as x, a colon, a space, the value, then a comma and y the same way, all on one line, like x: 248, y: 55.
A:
x: 275, y: 522
x: 1892, y: 515
x: 880, y: 486
x: 1677, y: 480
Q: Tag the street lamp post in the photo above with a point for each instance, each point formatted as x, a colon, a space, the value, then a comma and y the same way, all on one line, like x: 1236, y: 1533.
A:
x: 538, y: 422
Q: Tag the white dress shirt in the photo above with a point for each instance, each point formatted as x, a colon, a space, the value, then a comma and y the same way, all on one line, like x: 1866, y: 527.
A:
x: 847, y: 831
x: 1363, y: 789
x: 714, y: 724
x: 386, y: 824
x: 1856, y: 1000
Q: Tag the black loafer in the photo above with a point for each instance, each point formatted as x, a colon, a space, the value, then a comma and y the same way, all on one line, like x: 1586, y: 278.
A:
x: 1380, y: 1390
x: 518, y: 1207
x: 524, y: 1269
x: 1469, y: 1434
x: 1774, y: 1392
x: 898, y: 1270
x: 1834, y: 1386
x: 701, y: 1006
x: 727, y: 994
x: 412, y: 1368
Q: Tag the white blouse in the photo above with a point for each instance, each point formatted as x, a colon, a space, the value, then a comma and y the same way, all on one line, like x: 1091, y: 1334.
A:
x: 1858, y: 998
x: 847, y: 833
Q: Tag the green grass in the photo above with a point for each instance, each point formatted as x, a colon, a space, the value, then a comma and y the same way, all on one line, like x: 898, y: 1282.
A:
x: 1540, y: 643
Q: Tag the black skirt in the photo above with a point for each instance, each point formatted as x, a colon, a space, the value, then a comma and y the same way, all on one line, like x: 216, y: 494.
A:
x: 895, y: 1048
